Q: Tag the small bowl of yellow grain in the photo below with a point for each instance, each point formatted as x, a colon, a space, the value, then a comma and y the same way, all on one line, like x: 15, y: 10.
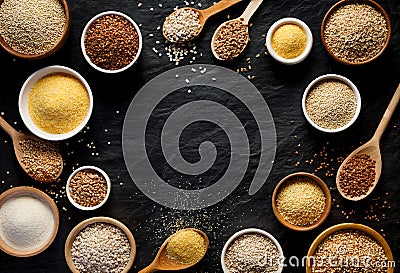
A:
x: 55, y: 103
x: 289, y: 41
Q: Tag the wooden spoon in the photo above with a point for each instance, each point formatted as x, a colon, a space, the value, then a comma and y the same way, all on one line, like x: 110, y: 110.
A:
x: 245, y: 18
x: 372, y: 149
x: 205, y: 14
x: 17, y: 137
x: 161, y: 261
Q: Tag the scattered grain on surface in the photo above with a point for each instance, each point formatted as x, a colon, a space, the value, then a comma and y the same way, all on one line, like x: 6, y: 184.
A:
x: 331, y: 104
x: 301, y: 201
x: 58, y: 103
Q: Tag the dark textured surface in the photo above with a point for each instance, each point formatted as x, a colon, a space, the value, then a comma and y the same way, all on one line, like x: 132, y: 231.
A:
x: 282, y: 88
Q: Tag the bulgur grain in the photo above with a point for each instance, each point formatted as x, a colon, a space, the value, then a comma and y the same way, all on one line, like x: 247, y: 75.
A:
x: 88, y: 188
x: 231, y: 39
x: 42, y: 161
x: 58, y: 103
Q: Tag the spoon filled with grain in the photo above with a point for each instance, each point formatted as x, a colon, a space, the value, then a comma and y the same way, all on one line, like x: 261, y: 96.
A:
x: 180, y: 251
x: 359, y: 173
x: 232, y: 37
x: 185, y: 24
x: 40, y: 159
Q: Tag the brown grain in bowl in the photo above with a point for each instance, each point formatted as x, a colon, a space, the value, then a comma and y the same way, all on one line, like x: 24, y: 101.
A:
x: 356, y: 31
x: 33, y: 29
x: 352, y: 248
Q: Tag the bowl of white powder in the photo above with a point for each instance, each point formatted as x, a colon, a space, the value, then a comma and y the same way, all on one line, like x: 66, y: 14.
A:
x: 29, y: 221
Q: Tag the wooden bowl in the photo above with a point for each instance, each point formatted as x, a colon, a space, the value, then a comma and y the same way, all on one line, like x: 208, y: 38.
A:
x: 55, y: 48
x: 328, y: 202
x: 29, y: 191
x: 74, y: 232
x: 350, y: 226
x: 346, y: 2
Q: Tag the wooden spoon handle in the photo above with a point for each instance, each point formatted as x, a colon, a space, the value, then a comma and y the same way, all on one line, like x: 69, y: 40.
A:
x: 7, y: 128
x: 220, y: 6
x: 388, y: 114
x: 250, y: 10
x: 149, y: 269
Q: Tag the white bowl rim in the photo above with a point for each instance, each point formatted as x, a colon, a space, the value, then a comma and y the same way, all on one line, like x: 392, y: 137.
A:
x: 247, y: 231
x: 24, y: 112
x: 309, y: 43
x: 103, y: 173
x: 111, y: 12
x: 344, y: 80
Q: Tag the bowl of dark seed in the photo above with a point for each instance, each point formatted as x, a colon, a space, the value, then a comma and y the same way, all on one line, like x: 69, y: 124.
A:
x: 356, y: 32
x: 88, y: 188
x: 301, y: 201
x: 352, y: 248
x: 100, y: 244
x: 331, y: 103
x: 111, y: 42
x: 33, y: 29
x: 252, y: 250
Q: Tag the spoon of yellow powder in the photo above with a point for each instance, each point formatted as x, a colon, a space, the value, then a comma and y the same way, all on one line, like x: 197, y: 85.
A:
x: 181, y: 250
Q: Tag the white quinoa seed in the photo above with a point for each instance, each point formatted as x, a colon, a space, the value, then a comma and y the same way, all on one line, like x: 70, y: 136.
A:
x: 32, y: 27
x: 182, y: 25
x: 331, y: 104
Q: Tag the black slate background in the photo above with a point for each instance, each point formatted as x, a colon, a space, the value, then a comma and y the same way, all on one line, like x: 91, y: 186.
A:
x: 282, y: 87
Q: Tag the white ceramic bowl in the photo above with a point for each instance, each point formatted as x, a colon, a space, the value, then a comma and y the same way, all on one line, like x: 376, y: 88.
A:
x: 84, y: 34
x: 24, y: 95
x: 334, y: 77
x: 306, y: 51
x: 247, y: 231
x: 88, y: 168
